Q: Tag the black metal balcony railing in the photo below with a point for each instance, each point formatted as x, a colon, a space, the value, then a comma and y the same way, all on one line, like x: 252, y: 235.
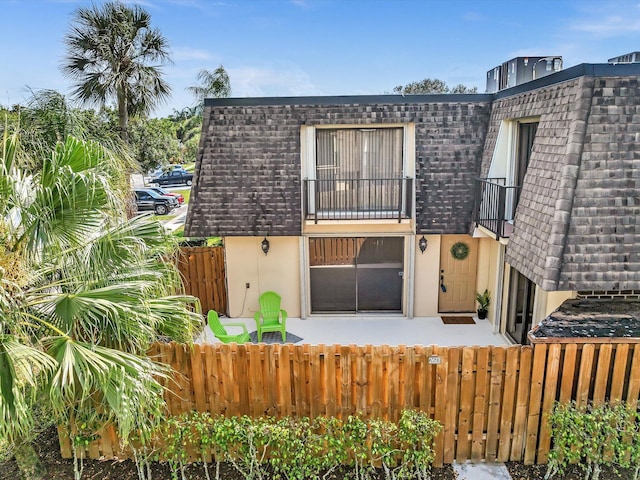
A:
x: 495, y: 205
x: 358, y: 199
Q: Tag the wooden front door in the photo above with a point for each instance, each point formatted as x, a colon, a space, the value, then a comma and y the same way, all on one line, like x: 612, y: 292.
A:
x: 457, y: 275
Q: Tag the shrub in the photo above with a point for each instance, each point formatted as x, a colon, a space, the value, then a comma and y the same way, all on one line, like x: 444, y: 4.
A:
x: 298, y: 448
x: 593, y: 437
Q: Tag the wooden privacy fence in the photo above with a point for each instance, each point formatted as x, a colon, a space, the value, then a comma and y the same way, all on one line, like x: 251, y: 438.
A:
x: 491, y: 401
x: 203, y: 273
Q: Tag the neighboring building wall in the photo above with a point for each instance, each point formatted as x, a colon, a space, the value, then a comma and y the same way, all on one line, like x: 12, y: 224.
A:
x: 552, y: 302
x: 610, y: 294
x: 535, y: 248
x: 278, y: 271
x: 603, y: 242
x: 249, y: 172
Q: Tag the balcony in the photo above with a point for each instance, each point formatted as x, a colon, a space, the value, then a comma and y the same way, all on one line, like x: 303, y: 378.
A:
x: 358, y: 199
x: 495, y: 205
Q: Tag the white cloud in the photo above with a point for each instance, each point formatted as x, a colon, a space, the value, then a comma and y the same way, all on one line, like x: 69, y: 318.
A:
x: 608, y: 26
x: 289, y: 80
x: 300, y: 3
x: 187, y: 53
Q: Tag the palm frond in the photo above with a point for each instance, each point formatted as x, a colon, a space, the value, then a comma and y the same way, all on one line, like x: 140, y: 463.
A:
x: 103, y: 382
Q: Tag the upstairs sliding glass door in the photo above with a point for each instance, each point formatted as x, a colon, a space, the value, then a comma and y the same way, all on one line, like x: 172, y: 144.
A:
x: 356, y: 274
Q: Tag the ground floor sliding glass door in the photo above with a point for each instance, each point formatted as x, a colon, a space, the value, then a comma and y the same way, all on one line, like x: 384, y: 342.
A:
x: 356, y: 274
x: 520, y: 307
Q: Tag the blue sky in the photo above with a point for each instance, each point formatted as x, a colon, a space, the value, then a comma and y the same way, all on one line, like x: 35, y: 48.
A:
x: 328, y: 47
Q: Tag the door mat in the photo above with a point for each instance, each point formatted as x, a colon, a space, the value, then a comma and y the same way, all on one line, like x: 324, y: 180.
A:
x: 458, y: 320
x: 274, y: 337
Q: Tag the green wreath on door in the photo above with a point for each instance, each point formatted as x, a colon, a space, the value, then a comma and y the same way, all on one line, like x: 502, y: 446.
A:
x: 460, y: 250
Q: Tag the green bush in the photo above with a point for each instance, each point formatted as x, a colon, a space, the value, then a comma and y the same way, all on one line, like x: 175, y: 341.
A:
x: 593, y: 437
x: 297, y: 448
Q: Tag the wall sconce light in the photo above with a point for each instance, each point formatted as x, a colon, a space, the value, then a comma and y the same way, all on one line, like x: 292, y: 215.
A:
x: 265, y: 245
x: 422, y: 244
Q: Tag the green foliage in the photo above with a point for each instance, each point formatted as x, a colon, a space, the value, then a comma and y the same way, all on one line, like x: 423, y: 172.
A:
x: 416, y: 433
x: 113, y: 53
x: 431, y: 85
x: 82, y: 295
x: 215, y: 242
x: 592, y: 437
x: 483, y: 299
x: 153, y: 142
x: 299, y: 448
x: 211, y: 84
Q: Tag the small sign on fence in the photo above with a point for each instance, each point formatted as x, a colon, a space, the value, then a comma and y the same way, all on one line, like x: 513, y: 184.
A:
x: 434, y: 360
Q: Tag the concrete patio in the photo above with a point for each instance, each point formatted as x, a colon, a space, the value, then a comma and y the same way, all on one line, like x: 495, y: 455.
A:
x: 380, y: 330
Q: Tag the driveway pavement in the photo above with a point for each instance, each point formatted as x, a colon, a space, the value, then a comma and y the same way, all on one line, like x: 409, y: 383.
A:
x: 180, y: 215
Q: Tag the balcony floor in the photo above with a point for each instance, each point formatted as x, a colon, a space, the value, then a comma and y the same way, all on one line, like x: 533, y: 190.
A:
x: 381, y: 330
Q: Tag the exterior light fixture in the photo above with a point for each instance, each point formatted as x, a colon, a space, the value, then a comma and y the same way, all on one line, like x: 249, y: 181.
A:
x: 422, y: 244
x: 265, y: 245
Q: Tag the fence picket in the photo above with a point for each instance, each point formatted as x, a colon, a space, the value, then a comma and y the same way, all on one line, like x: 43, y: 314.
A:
x: 508, y: 402
x: 602, y: 373
x: 377, y: 397
x: 568, y: 372
x: 441, y: 402
x: 197, y: 378
x: 451, y: 405
x: 535, y: 402
x: 522, y: 404
x: 480, y: 403
x: 584, y: 375
x: 467, y: 387
x: 495, y: 393
x: 212, y: 379
x: 284, y: 380
x: 255, y: 399
x: 633, y: 389
x: 550, y: 388
x: 619, y: 372
x: 315, y: 381
x: 330, y: 380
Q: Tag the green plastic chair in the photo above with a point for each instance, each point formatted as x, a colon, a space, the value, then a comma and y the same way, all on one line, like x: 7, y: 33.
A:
x: 221, y: 334
x: 268, y: 319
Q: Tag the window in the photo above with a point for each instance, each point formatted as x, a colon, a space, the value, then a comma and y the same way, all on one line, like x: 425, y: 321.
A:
x: 367, y: 153
x: 358, y: 173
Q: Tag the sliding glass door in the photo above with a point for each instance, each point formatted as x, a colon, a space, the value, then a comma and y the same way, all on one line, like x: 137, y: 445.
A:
x: 356, y: 274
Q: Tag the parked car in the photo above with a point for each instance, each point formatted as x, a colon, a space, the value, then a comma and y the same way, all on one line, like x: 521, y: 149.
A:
x: 174, y: 177
x: 147, y: 199
x: 165, y: 192
x: 157, y: 172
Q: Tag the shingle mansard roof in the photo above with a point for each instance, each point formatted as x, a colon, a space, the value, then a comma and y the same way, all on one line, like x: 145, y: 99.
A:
x: 577, y: 226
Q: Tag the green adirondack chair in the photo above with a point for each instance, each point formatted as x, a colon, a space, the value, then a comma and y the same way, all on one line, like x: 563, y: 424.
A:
x: 271, y: 318
x: 221, y: 334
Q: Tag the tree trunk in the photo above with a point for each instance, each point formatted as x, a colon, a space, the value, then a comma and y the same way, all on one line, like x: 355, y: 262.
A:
x: 31, y: 468
x: 123, y: 115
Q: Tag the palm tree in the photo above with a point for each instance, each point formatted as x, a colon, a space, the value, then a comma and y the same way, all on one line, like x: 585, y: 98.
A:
x: 213, y: 84
x: 113, y: 53
x: 83, y: 293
